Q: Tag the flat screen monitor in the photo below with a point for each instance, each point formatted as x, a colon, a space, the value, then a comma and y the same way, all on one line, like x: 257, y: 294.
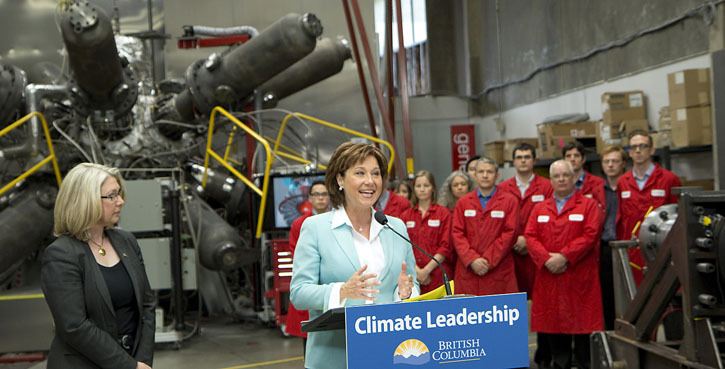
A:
x: 288, y: 199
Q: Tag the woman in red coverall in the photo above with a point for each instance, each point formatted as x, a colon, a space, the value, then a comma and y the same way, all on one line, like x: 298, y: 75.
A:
x: 319, y: 197
x: 429, y: 227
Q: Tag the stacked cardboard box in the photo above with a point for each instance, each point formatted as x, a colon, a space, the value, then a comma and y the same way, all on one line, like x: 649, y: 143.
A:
x: 689, y: 92
x: 617, y: 133
x: 494, y: 150
x: 553, y: 136
x: 663, y: 135
x: 508, y: 146
x: 620, y: 106
x: 622, y: 112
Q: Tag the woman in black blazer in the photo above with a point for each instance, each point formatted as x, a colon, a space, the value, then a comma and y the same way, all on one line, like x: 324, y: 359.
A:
x: 94, y: 279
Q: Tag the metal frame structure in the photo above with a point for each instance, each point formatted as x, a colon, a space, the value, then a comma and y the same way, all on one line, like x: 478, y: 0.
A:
x: 687, y: 265
x: 50, y: 158
x: 268, y: 162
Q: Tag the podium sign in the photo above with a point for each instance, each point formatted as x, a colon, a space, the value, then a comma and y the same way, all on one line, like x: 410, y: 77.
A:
x: 467, y: 332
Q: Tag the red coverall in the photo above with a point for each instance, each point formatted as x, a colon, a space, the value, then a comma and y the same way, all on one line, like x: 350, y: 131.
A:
x: 593, y: 188
x: 539, y: 190
x: 570, y: 302
x: 486, y: 233
x: 396, y: 205
x: 633, y: 205
x: 294, y: 316
x: 432, y: 233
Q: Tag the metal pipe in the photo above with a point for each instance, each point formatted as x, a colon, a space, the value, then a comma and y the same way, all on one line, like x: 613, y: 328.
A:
x: 389, y: 125
x: 34, y: 94
x: 176, y: 260
x: 223, y: 31
x: 359, y: 68
x: 325, y: 61
x: 25, y: 224
x: 389, y: 61
x: 12, y: 82
x: 403, y: 90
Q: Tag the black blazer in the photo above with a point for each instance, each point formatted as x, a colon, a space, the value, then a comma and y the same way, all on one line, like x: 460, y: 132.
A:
x: 85, y: 322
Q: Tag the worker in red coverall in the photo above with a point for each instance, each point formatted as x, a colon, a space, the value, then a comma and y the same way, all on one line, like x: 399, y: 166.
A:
x: 392, y: 204
x: 319, y: 197
x: 563, y: 239
x: 530, y: 190
x: 589, y: 185
x: 484, y: 224
x: 645, y: 186
x: 429, y: 227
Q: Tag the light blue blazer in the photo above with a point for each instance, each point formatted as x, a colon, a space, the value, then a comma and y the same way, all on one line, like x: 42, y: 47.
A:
x: 325, y: 255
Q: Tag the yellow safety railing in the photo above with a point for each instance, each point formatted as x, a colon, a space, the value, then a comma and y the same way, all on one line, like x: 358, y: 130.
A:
x: 291, y: 156
x: 50, y: 158
x: 223, y: 161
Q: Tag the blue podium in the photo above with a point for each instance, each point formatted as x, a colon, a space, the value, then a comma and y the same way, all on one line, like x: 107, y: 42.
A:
x: 466, y: 332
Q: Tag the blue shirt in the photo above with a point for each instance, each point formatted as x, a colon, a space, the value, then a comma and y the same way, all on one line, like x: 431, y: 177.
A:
x: 561, y: 202
x: 580, y: 181
x: 641, y: 181
x: 484, y: 199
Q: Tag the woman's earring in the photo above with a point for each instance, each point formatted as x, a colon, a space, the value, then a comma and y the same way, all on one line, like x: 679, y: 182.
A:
x: 339, y: 187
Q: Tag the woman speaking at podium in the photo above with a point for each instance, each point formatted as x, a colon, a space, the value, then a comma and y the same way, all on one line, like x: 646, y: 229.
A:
x: 344, y: 257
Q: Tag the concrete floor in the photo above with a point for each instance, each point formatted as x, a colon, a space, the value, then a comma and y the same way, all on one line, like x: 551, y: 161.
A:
x: 224, y: 344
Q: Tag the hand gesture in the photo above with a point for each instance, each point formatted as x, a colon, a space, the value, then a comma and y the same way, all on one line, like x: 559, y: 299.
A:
x: 405, y: 282
x: 556, y: 263
x: 520, y: 246
x: 422, y: 275
x: 480, y: 266
x: 360, y: 286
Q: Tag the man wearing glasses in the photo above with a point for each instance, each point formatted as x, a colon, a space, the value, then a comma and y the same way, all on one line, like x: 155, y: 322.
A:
x: 646, y: 186
x: 320, y: 200
x: 529, y: 190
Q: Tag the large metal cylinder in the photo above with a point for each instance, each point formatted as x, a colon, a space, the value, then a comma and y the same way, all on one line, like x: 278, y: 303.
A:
x: 220, y: 247
x: 24, y: 224
x: 222, y: 189
x: 12, y: 84
x: 223, y: 79
x: 325, y: 61
x: 101, y: 81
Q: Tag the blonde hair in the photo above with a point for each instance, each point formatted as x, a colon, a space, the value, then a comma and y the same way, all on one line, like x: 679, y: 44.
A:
x: 78, y: 205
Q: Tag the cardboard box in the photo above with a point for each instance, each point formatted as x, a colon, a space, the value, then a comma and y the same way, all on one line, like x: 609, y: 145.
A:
x: 553, y: 136
x: 619, y: 106
x: 691, y: 126
x: 508, y: 146
x: 665, y: 122
x: 494, y: 150
x: 704, y: 184
x: 662, y: 138
x: 689, y: 87
x: 617, y: 133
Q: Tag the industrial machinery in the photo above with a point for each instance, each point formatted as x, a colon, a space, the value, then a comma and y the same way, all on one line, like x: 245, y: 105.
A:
x: 109, y: 109
x: 684, y: 245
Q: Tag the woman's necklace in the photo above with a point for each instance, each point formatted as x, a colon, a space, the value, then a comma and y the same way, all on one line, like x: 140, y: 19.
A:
x: 101, y: 250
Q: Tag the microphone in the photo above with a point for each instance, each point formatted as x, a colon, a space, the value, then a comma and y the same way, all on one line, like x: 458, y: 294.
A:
x: 383, y: 220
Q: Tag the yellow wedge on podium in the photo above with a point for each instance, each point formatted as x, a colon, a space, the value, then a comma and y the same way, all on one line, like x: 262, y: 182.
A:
x: 435, y: 294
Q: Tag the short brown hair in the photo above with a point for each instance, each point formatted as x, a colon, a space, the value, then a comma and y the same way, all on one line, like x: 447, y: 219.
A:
x: 344, y: 157
x: 640, y: 132
x: 429, y: 176
x: 615, y: 148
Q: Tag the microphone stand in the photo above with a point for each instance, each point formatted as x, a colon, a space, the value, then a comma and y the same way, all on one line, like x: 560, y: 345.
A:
x: 383, y: 220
